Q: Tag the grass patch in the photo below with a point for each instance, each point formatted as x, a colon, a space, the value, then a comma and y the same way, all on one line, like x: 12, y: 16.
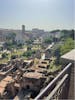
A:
x: 5, y: 60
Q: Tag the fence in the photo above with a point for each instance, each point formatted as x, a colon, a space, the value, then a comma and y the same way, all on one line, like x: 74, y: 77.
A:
x: 58, y: 87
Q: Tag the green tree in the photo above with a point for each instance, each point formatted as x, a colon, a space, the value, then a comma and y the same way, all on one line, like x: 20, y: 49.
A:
x: 55, y: 31
x: 11, y: 37
x: 72, y: 34
x: 29, y: 53
x: 57, y: 55
x: 4, y: 55
x: 1, y: 48
x: 14, y: 56
x: 29, y: 41
x: 48, y: 40
x: 67, y: 46
x: 20, y: 45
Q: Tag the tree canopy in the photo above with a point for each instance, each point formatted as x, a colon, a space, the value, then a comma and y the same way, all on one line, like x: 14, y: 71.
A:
x: 48, y: 40
x: 67, y: 46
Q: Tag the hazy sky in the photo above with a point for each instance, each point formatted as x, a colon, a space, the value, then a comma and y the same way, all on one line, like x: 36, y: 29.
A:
x: 43, y: 14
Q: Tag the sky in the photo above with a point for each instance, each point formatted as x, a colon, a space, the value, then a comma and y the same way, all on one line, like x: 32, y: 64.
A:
x: 42, y: 14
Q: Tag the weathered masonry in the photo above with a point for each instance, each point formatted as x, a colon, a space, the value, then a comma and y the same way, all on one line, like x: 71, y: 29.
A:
x: 63, y: 83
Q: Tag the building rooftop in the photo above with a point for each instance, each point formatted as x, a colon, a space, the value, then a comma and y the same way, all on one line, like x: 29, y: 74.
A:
x: 34, y: 75
x: 6, y: 69
x: 28, y: 61
x: 44, y: 61
x: 69, y: 56
x: 43, y: 65
x: 36, y: 69
x: 4, y: 83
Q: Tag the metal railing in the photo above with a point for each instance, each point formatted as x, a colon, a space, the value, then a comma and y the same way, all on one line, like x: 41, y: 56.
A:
x: 56, y: 92
x: 59, y: 82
